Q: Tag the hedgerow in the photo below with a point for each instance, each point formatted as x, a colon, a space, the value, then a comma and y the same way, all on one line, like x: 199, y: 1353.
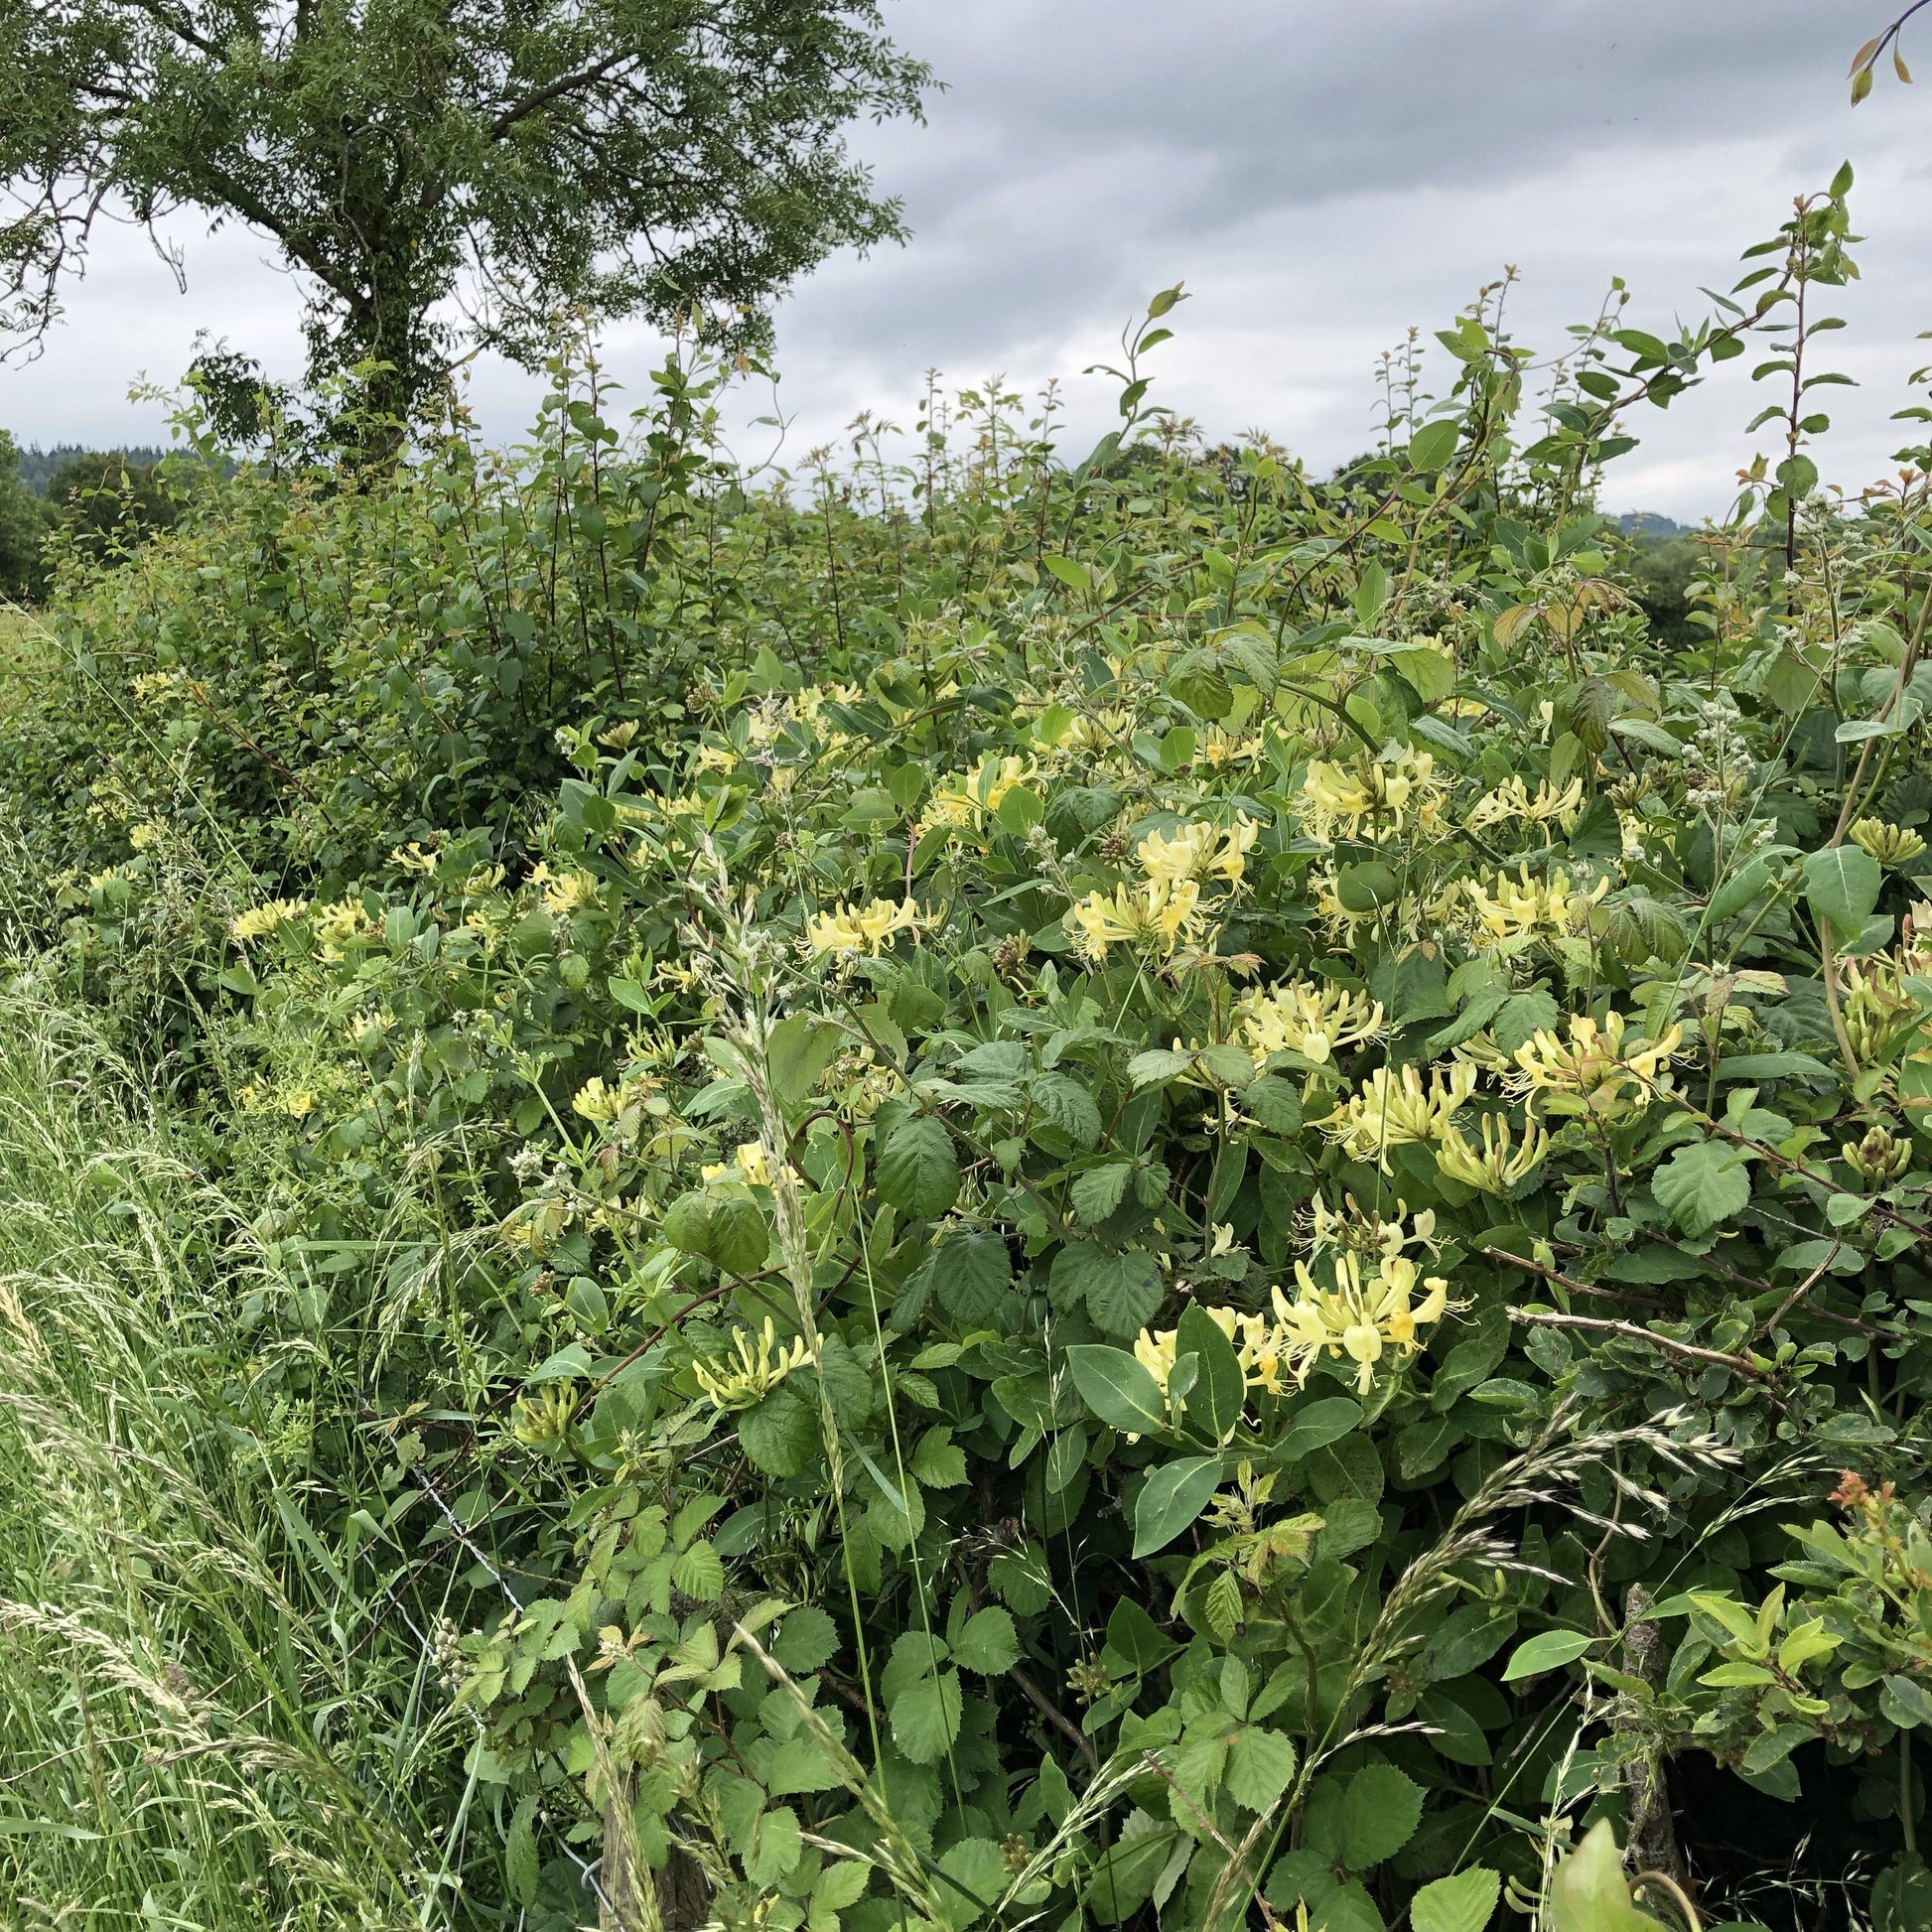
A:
x: 1197, y: 1195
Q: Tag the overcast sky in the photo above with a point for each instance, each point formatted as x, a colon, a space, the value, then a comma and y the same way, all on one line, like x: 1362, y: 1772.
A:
x: 1322, y: 173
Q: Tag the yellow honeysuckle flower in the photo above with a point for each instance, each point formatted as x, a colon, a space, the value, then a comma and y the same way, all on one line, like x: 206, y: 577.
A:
x: 1157, y: 915
x: 1361, y: 1316
x: 960, y: 801
x: 847, y: 930
x: 1591, y: 1071
x: 1512, y: 801
x: 1503, y: 1164
x: 1310, y: 1020
x: 1513, y: 909
x: 1394, y: 1108
x: 745, y: 1377
x: 260, y: 920
x: 1397, y: 792
x: 597, y: 1102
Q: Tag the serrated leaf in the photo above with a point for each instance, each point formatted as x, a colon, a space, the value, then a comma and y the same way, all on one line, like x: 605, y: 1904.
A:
x: 987, y: 1642
x: 699, y: 1573
x: 1702, y: 1185
x: 918, y: 1172
x: 939, y: 1462
x: 925, y: 1717
x: 1097, y: 1192
x: 1463, y: 1902
x: 1259, y: 1767
x: 1122, y: 1292
x: 1069, y: 1106
x: 1379, y: 1815
x: 522, y: 1869
x: 776, y: 1847
x: 779, y: 1434
x: 971, y: 1273
x: 806, y: 1639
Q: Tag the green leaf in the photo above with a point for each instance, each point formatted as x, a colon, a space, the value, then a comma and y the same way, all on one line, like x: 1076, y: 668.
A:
x: 1842, y: 884
x: 806, y: 1639
x: 939, y: 1462
x: 925, y: 1717
x: 521, y: 1867
x: 1171, y: 1497
x: 1137, y: 1637
x: 1117, y: 1387
x: 779, y: 1434
x: 1904, y: 1703
x: 801, y: 1049
x: 1432, y: 446
x: 699, y: 1572
x: 918, y: 1172
x: 1122, y: 1292
x: 1379, y: 1815
x: 1215, y: 1402
x: 1461, y: 1903
x: 1260, y: 1765
x: 1274, y: 1103
x: 1097, y: 1192
x: 1548, y: 1651
x: 1588, y: 1892
x: 978, y: 1878
x: 1316, y: 1425
x: 1069, y: 1106
x: 971, y: 1273
x: 987, y: 1642
x: 1703, y: 1184
x: 776, y: 1847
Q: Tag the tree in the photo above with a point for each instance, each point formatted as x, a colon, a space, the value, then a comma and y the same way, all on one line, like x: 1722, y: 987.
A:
x: 24, y: 525
x: 611, y: 157
x: 108, y: 504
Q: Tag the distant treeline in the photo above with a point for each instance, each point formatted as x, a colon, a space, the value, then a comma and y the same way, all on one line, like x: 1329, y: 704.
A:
x: 37, y: 468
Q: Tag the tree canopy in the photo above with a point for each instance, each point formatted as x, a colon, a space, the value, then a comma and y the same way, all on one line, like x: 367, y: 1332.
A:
x: 609, y: 157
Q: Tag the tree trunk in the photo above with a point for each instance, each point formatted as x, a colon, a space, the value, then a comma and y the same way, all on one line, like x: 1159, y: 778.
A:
x: 636, y: 1900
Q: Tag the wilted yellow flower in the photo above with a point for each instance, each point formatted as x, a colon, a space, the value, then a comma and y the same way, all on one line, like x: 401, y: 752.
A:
x: 1890, y: 845
x: 260, y: 920
x: 1312, y: 1020
x: 412, y: 858
x: 717, y: 758
x: 1361, y: 1232
x: 846, y: 929
x: 745, y: 1377
x: 1510, y: 911
x: 1592, y: 1073
x: 1399, y: 791
x: 1512, y: 801
x: 1397, y: 1108
x: 145, y: 836
x: 1501, y: 1165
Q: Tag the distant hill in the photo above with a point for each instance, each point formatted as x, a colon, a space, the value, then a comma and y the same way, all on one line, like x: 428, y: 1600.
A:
x: 36, y: 465
x: 1650, y: 524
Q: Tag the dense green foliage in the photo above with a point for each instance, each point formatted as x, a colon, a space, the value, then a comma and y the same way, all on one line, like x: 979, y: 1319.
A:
x: 1148, y: 1191
x: 641, y: 156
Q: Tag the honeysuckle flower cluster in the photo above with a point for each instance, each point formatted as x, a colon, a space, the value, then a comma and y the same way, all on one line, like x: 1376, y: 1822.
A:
x: 747, y: 1376
x: 1394, y: 1108
x: 562, y: 892
x: 1308, y: 1020
x: 958, y: 802
x: 1598, y: 1069
x: 260, y: 920
x: 847, y: 930
x: 1398, y: 792
x: 1513, y: 802
x: 1503, y: 1162
x: 1164, y: 907
x: 1890, y: 845
x: 749, y: 1164
x: 1510, y: 912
